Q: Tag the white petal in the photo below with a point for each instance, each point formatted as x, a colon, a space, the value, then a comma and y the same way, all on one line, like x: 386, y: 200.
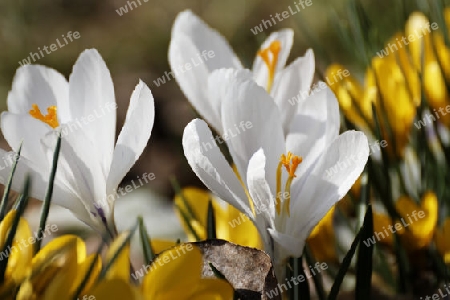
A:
x: 158, y: 212
x: 286, y: 38
x: 92, y: 97
x: 79, y: 169
x: 206, y: 38
x: 292, y: 85
x: 192, y: 82
x: 62, y: 195
x: 134, y: 135
x: 219, y: 82
x: 411, y: 171
x: 210, y: 165
x: 290, y: 246
x: 313, y: 128
x: 58, y: 215
x: 42, y: 86
x: 339, y: 167
x: 259, y: 189
x: 246, y: 103
x: 24, y: 128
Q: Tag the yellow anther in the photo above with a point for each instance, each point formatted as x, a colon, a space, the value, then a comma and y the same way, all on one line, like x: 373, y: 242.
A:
x: 50, y: 119
x: 278, y: 194
x: 290, y: 162
x: 270, y: 57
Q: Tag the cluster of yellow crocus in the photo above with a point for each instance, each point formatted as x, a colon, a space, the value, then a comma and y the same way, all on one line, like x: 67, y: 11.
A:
x: 59, y: 268
x: 393, y: 84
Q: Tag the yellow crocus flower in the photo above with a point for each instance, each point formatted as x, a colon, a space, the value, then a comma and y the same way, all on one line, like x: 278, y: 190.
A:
x: 322, y: 239
x: 351, y: 96
x: 176, y: 274
x: 19, y: 256
x: 231, y: 224
x: 394, y: 93
x: 416, y: 226
x: 435, y: 70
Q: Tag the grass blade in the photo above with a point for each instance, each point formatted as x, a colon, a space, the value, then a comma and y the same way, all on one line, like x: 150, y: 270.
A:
x: 364, y: 261
x: 211, y: 221
x: 149, y: 254
x: 116, y: 255
x: 344, y: 267
x: 4, y: 203
x: 88, y: 274
x: 48, y: 196
x: 317, y: 279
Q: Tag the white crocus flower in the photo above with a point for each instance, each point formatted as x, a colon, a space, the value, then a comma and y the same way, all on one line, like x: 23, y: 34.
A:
x: 191, y: 43
x: 91, y: 165
x: 286, y: 181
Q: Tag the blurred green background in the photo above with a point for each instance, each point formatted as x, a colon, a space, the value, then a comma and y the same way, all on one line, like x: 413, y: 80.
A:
x: 135, y: 45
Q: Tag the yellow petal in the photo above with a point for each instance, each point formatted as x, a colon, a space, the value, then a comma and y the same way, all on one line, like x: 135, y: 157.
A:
x: 436, y: 91
x: 120, y: 269
x: 83, y: 268
x: 198, y: 201
x: 394, y: 93
x: 20, y: 252
x: 26, y: 291
x: 420, y: 220
x: 174, y: 274
x: 236, y: 227
x: 231, y: 224
x: 415, y: 24
x: 443, y: 53
x: 114, y: 289
x: 381, y: 223
x: 350, y: 96
x: 409, y: 71
x: 213, y: 289
x: 159, y: 246
x: 63, y: 269
x: 322, y: 240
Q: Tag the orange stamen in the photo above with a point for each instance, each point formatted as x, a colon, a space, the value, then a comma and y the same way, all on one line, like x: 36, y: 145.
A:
x: 50, y: 119
x: 270, y: 57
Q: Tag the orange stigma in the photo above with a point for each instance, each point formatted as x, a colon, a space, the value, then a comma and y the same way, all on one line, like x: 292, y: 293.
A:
x: 270, y: 57
x: 50, y: 119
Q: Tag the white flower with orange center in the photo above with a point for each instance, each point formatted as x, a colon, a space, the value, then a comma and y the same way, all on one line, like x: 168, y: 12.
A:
x: 191, y: 37
x: 281, y: 181
x: 91, y: 164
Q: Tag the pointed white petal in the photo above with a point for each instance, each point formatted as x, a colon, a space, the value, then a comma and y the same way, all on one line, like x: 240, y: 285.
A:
x: 286, y: 38
x: 313, y: 128
x: 92, y: 101
x: 247, y: 103
x: 79, y: 169
x: 24, y: 128
x: 292, y: 86
x: 259, y: 189
x: 134, y: 135
x: 210, y: 165
x: 219, y: 82
x: 191, y: 82
x: 62, y: 194
x: 42, y: 86
x: 291, y: 246
x: 206, y: 38
x: 338, y: 169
